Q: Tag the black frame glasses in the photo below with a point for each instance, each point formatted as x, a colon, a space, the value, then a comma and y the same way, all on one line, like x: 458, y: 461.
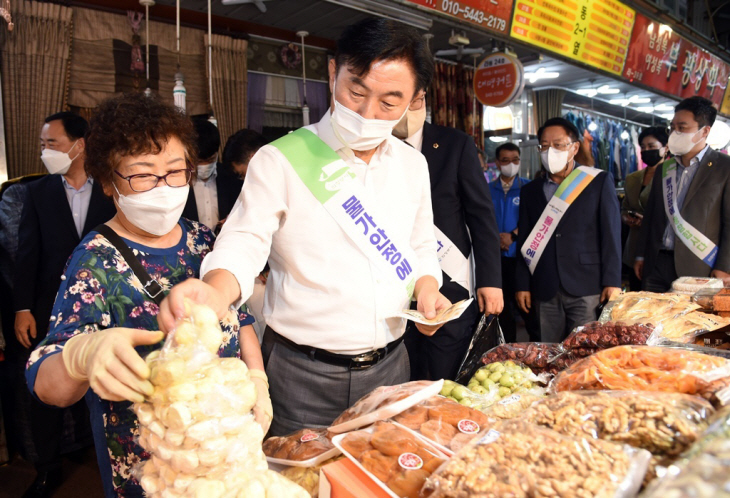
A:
x: 130, y: 178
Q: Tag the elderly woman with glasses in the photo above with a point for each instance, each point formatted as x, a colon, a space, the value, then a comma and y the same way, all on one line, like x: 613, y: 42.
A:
x: 140, y: 151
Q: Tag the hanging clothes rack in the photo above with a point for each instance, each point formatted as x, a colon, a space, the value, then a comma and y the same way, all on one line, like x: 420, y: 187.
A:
x: 605, y: 115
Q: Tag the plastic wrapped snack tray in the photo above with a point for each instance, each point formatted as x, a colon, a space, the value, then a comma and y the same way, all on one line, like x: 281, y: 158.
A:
x: 198, y: 426
x: 685, y: 328
x: 649, y: 368
x: 521, y: 460
x: 702, y: 472
x: 397, y: 460
x: 690, y: 285
x: 665, y: 424
x: 444, y: 423
x: 383, y: 403
x: 303, y: 448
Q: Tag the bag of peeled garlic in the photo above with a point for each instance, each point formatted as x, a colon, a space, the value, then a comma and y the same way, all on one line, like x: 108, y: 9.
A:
x: 198, y: 425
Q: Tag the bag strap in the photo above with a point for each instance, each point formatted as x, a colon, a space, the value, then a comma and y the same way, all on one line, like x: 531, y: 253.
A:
x: 150, y: 286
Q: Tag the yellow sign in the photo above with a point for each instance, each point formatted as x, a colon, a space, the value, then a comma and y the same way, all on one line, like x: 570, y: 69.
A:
x: 725, y: 107
x: 594, y: 32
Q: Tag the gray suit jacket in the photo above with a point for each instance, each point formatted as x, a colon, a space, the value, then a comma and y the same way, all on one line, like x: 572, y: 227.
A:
x: 706, y: 207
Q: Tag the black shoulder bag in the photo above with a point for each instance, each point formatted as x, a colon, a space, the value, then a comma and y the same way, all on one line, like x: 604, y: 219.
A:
x: 150, y: 286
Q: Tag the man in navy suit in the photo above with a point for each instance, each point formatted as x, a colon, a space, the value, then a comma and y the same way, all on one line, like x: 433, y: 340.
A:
x: 215, y: 188
x: 464, y: 213
x: 58, y: 211
x: 581, y: 263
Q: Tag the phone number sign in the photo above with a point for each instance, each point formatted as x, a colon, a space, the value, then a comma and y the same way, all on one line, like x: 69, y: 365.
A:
x: 493, y: 15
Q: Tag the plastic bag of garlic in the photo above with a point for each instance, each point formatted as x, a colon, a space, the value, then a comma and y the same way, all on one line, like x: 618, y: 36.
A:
x: 197, y: 426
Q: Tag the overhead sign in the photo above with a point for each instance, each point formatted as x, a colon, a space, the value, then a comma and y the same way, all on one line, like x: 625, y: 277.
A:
x: 660, y: 58
x: 499, y: 80
x: 488, y: 14
x: 594, y: 32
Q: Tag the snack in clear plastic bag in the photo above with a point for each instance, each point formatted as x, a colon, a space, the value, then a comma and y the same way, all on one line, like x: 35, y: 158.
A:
x: 684, y: 328
x: 447, y: 424
x: 647, y: 307
x: 665, y: 424
x: 383, y: 403
x: 540, y: 357
x: 702, y: 471
x: 303, y: 448
x: 589, y: 338
x: 512, y: 406
x: 197, y: 425
x: 519, y: 459
x: 396, y: 459
x: 648, y: 368
x: 467, y: 397
x: 308, y: 477
x: 507, y: 378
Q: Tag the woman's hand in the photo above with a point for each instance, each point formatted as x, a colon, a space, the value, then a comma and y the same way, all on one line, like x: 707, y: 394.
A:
x: 263, y: 411
x: 172, y: 308
x: 108, y: 361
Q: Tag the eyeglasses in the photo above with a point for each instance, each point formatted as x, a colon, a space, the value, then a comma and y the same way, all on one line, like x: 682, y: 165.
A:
x: 418, y: 104
x: 505, y: 162
x: 558, y: 146
x: 145, y: 182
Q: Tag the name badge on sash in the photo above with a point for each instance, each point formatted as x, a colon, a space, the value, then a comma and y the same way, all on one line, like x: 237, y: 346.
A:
x: 567, y: 193
x: 334, y: 185
x: 452, y: 261
x: 701, y: 246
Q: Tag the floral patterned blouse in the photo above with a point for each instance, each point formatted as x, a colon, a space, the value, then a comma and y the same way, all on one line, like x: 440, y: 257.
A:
x: 99, y: 291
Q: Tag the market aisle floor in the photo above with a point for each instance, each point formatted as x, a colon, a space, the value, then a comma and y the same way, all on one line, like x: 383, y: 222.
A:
x: 81, y: 477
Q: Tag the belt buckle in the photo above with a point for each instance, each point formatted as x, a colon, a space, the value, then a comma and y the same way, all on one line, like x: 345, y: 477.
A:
x: 365, y: 360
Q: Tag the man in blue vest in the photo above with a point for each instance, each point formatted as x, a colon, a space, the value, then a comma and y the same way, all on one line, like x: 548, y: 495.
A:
x: 505, y: 192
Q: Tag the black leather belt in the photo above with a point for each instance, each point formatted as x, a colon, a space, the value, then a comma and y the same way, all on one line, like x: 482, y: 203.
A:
x: 353, y: 362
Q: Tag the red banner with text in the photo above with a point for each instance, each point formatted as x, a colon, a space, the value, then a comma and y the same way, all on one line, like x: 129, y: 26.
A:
x: 660, y: 58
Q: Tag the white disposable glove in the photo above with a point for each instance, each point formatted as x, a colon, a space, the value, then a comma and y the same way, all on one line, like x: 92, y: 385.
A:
x: 108, y: 361
x: 263, y: 411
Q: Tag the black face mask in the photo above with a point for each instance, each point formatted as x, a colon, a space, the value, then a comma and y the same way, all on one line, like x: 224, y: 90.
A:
x: 651, y: 157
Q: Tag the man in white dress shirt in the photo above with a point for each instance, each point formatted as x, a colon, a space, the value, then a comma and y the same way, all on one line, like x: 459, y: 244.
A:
x: 330, y: 297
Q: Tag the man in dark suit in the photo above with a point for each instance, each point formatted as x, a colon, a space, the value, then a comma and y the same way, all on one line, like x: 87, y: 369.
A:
x: 58, y: 211
x: 215, y: 189
x: 702, y: 189
x: 464, y: 213
x: 580, y: 266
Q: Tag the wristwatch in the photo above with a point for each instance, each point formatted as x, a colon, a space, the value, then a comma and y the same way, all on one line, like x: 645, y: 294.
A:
x: 514, y: 236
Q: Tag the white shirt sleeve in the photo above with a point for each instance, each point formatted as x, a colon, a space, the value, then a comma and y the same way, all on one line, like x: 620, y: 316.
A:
x: 244, y: 243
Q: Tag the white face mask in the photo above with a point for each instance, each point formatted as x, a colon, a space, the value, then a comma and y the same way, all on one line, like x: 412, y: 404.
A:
x: 510, y: 170
x: 357, y: 132
x: 554, y: 160
x: 156, y: 211
x: 206, y: 170
x: 681, y: 143
x: 57, y: 162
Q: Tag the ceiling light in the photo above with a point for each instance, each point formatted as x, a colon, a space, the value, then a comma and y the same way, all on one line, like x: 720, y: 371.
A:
x: 498, y: 139
x: 667, y: 116
x: 588, y: 92
x: 645, y: 109
x: 664, y: 107
x: 607, y: 90
x: 624, y: 135
x: 541, y: 74
x: 634, y: 99
x: 387, y: 11
x: 593, y: 126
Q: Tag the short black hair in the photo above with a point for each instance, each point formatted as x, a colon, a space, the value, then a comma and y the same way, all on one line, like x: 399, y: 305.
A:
x: 506, y: 146
x: 241, y: 146
x: 74, y: 125
x: 209, y: 138
x: 701, y: 108
x: 658, y: 132
x: 375, y: 39
x: 569, y: 128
